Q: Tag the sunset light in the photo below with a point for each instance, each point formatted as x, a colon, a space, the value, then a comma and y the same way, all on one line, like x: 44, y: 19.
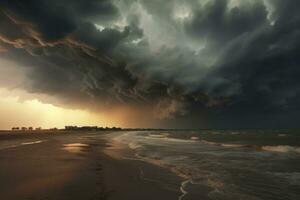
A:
x: 37, y: 114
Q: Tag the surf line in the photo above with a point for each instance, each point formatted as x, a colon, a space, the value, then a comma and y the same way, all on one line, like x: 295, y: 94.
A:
x: 25, y: 143
x: 182, y: 189
x: 182, y: 186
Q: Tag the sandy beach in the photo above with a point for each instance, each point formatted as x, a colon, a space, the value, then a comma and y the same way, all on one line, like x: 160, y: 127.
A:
x: 67, y: 165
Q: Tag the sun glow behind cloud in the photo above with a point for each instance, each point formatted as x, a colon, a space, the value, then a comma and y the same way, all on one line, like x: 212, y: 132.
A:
x: 16, y: 112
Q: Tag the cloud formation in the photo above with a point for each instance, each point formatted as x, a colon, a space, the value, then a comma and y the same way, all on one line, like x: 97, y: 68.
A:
x: 233, y: 62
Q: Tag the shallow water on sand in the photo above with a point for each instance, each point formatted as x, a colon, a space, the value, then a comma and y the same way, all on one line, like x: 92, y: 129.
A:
x: 75, y: 147
x: 224, y: 164
x: 15, y: 143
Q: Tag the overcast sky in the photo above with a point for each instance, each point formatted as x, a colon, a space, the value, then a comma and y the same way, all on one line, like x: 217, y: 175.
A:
x: 162, y: 63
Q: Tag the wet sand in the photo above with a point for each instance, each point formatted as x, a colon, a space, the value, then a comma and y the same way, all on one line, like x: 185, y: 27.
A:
x: 64, y: 165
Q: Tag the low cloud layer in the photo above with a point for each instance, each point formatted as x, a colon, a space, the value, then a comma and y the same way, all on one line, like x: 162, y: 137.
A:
x: 192, y: 63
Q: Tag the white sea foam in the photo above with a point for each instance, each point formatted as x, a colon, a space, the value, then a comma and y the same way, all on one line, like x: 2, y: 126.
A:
x: 160, y: 135
x: 223, y: 144
x: 182, y: 189
x: 232, y: 145
x: 134, y: 145
x: 208, y: 142
x: 167, y: 139
x: 157, y: 135
x: 281, y: 148
x: 281, y: 135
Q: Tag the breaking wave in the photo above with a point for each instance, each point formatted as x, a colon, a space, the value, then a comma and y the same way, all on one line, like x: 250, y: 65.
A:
x: 281, y: 149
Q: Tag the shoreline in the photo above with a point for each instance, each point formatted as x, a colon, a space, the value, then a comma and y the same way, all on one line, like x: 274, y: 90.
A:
x: 134, y: 179
x: 159, y: 179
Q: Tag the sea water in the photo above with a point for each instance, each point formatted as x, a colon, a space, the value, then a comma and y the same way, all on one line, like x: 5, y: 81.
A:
x: 214, y: 164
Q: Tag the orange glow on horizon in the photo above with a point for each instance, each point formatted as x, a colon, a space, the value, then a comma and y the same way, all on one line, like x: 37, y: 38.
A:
x: 37, y: 114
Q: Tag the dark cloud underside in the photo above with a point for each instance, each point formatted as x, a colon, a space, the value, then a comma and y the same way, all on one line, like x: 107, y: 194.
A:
x: 200, y: 63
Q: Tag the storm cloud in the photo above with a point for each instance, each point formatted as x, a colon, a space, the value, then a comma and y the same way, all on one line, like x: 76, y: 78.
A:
x: 192, y: 63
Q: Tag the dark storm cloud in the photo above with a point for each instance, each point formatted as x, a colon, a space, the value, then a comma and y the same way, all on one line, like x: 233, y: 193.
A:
x: 215, y: 21
x: 236, y: 62
x: 104, y: 40
x: 265, y: 67
x: 55, y: 19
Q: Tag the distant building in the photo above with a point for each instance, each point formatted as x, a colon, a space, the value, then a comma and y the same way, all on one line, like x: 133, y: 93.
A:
x: 91, y: 128
x: 71, y: 128
x: 83, y: 128
x: 100, y: 129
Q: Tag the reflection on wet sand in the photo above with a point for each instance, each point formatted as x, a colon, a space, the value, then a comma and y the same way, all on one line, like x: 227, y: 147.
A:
x: 75, y: 147
x: 28, y: 143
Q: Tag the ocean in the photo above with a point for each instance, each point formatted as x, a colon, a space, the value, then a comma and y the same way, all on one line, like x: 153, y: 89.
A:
x: 222, y: 164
